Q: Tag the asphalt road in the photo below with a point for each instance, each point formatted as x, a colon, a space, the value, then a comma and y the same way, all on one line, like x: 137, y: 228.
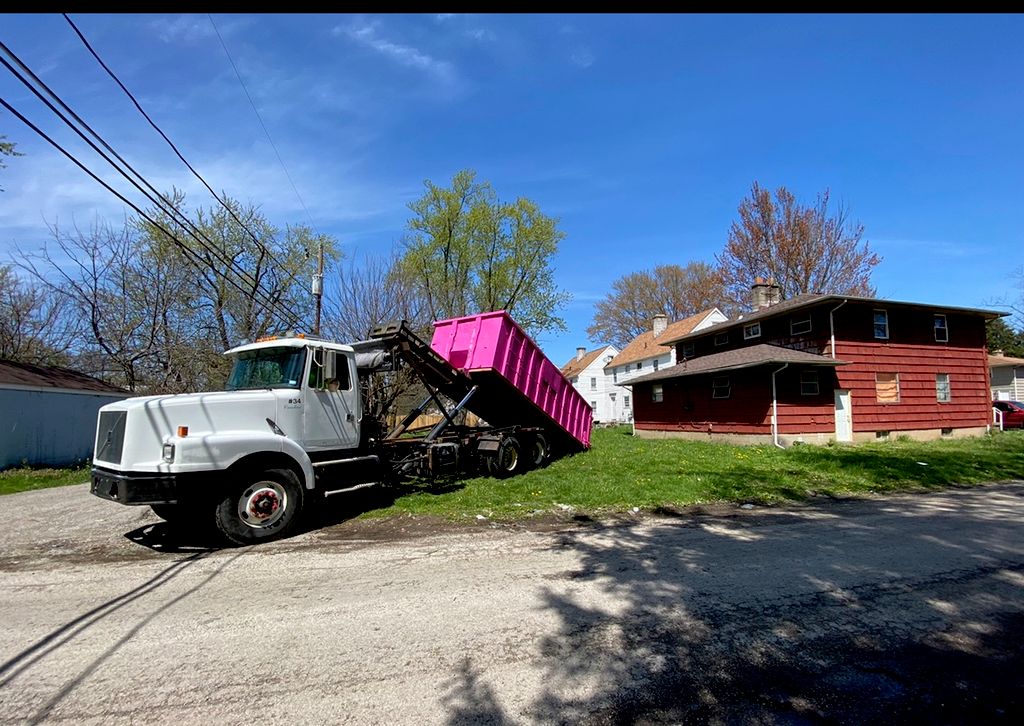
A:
x: 903, y: 609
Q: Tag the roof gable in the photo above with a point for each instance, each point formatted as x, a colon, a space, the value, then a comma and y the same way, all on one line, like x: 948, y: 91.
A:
x: 578, y: 365
x: 646, y: 346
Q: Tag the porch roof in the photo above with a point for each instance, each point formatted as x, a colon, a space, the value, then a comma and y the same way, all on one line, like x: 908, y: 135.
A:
x: 748, y: 357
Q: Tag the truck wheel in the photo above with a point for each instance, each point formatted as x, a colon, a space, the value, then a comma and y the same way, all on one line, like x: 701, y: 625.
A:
x: 540, y: 451
x: 508, y: 461
x: 264, y: 507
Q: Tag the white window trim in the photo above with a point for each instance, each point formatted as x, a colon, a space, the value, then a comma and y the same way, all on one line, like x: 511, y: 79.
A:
x: 657, y: 393
x: 873, y: 324
x: 721, y: 342
x: 794, y: 322
x: 688, y: 347
x: 944, y: 328
x: 717, y: 387
x: 748, y: 329
x: 949, y: 389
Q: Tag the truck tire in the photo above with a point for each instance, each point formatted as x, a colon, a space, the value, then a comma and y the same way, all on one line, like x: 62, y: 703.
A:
x: 540, y: 451
x: 508, y: 460
x: 264, y: 507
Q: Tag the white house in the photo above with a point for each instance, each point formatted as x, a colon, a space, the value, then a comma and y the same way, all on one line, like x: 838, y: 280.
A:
x: 644, y: 354
x: 1007, y: 377
x: 587, y: 374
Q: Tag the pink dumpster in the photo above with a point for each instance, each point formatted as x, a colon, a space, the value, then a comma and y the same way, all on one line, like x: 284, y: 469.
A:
x: 518, y: 385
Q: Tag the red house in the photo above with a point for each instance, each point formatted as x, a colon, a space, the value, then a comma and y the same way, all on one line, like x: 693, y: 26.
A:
x: 816, y: 368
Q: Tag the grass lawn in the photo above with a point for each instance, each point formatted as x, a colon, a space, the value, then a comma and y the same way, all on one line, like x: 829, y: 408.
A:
x: 621, y: 472
x: 26, y: 479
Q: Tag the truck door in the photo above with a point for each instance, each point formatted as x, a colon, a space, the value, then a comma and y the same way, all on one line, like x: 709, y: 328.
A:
x: 331, y: 415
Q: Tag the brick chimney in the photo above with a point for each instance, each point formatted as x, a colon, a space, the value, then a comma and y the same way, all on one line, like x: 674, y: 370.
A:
x: 764, y: 294
x: 580, y: 352
x: 659, y: 324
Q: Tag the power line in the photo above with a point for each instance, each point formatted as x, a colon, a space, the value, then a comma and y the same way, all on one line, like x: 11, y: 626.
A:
x: 165, y: 138
x: 260, y: 118
x: 168, y: 208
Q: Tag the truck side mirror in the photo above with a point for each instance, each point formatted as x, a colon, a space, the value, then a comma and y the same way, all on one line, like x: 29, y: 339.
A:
x: 330, y: 365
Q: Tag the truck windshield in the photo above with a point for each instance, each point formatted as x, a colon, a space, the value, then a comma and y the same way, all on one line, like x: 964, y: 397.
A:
x: 267, y: 368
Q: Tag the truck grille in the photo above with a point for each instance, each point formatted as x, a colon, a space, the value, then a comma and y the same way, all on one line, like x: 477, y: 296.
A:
x: 110, y: 436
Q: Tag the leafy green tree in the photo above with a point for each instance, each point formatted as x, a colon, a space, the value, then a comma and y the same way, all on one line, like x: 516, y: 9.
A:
x: 802, y: 248
x: 636, y: 298
x: 1000, y: 336
x: 469, y: 252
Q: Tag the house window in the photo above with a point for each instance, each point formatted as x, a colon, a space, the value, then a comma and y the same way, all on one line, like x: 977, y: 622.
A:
x: 881, y: 325
x: 809, y: 383
x: 655, y: 364
x: 575, y: 380
x: 657, y: 393
x: 615, y: 375
x: 887, y: 387
x: 611, y: 397
x: 941, y: 331
x: 799, y: 326
x: 942, y: 394
x: 593, y: 405
x: 625, y: 401
x: 639, y: 364
x: 720, y: 387
x: 593, y: 384
x: 687, y: 350
x: 721, y: 339
x: 753, y: 330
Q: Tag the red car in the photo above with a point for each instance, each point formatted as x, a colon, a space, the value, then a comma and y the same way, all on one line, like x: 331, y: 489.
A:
x: 1013, y: 413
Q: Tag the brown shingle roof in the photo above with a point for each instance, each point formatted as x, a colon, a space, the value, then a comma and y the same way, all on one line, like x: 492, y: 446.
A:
x: 576, y: 366
x: 646, y: 345
x: 1004, y: 360
x: 754, y: 355
x: 809, y: 299
x: 24, y: 374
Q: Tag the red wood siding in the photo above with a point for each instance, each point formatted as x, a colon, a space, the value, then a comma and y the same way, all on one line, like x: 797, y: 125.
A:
x: 911, y: 351
x: 688, y: 404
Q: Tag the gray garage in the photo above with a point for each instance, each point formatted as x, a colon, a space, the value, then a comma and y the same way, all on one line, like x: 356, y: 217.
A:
x: 48, y: 415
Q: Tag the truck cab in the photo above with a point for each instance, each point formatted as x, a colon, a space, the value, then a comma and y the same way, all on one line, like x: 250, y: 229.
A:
x: 289, y: 400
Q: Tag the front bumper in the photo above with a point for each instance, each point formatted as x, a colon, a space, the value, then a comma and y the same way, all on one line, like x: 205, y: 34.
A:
x: 136, y: 488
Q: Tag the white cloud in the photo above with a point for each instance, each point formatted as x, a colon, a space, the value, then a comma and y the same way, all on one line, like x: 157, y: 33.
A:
x: 184, y: 28
x: 404, y: 55
x: 441, y: 17
x: 481, y: 35
x: 582, y: 57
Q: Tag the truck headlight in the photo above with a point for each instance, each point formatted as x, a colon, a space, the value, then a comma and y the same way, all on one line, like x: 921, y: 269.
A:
x: 168, y: 452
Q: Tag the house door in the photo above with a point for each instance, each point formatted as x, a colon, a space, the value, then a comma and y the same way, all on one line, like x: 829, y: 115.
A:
x: 844, y: 417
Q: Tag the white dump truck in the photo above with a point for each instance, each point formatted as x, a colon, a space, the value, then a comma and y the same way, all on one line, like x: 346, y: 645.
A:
x: 291, y: 425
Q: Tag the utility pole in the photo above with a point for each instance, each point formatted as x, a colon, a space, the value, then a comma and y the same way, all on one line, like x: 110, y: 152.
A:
x: 318, y: 287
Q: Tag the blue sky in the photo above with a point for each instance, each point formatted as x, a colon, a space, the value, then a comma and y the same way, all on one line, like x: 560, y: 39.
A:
x: 640, y: 133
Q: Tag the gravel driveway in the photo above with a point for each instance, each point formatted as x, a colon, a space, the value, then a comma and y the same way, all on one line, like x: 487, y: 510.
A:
x: 907, y: 608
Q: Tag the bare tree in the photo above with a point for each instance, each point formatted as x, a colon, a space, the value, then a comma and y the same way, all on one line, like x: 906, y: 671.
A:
x: 636, y: 298
x: 34, y: 325
x: 803, y: 248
